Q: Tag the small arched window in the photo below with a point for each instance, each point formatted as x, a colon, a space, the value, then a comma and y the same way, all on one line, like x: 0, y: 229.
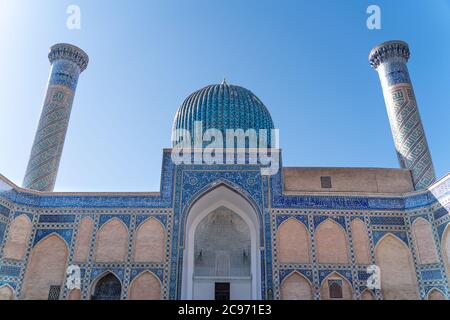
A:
x: 335, y: 287
x: 107, y: 288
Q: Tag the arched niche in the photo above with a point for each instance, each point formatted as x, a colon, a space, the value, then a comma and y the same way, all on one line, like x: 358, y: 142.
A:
x: 336, y: 281
x: 84, y: 239
x: 398, y: 277
x: 6, y: 293
x: 331, y: 243
x: 112, y: 242
x: 367, y: 295
x: 436, y: 294
x: 46, y: 267
x: 19, y: 235
x: 296, y: 287
x: 424, y: 241
x: 226, y: 197
x: 293, y: 242
x: 146, y: 286
x: 106, y: 287
x: 149, y: 242
x: 74, y: 294
x: 360, y: 241
x: 445, y: 247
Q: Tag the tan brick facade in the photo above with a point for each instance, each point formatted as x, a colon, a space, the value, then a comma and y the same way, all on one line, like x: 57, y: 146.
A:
x: 398, y: 280
x: 293, y: 242
x: 6, y: 293
x: 424, y: 241
x: 18, y: 238
x: 145, y: 287
x: 47, y: 267
x: 331, y: 241
x: 112, y: 242
x: 296, y: 287
x: 360, y: 241
x: 84, y: 239
x: 150, y: 242
x: 446, y: 250
x: 436, y: 295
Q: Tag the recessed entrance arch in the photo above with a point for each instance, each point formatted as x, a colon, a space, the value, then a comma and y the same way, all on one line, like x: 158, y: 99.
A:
x: 232, y: 255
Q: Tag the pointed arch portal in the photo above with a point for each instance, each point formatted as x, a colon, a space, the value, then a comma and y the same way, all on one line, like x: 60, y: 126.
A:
x: 221, y: 257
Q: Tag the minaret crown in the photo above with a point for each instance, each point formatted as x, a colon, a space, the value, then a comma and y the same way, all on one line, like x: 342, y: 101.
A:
x: 64, y: 51
x: 388, y: 50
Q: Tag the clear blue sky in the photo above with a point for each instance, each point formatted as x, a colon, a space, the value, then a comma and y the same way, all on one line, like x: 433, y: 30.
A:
x: 306, y: 60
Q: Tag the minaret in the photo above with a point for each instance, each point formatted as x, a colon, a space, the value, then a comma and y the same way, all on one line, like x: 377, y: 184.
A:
x: 67, y: 63
x: 390, y: 59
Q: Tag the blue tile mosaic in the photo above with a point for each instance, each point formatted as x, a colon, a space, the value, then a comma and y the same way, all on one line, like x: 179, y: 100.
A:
x: 222, y: 107
x: 18, y: 214
x: 440, y: 213
x: 323, y: 274
x: 388, y: 221
x: 97, y: 272
x: 308, y: 274
x: 431, y: 275
x: 2, y: 230
x: 442, y: 289
x: 377, y: 235
x: 283, y: 218
x: 4, y: 211
x: 66, y: 234
x: 57, y: 218
x: 9, y: 283
x: 10, y: 271
x: 143, y: 217
x: 125, y: 218
x: 363, y: 275
x: 441, y: 229
x: 138, y: 271
x: 226, y: 106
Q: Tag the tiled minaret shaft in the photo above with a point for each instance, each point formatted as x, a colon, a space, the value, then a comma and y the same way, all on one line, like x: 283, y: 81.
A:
x: 67, y: 63
x: 390, y: 59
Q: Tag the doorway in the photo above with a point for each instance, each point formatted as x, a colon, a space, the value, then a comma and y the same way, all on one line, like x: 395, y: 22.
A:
x: 222, y: 246
x: 222, y: 291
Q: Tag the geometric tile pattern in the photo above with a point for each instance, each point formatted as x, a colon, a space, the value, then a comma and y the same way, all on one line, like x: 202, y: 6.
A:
x: 390, y: 59
x: 223, y: 107
x: 67, y: 64
x: 182, y: 185
x: 192, y: 182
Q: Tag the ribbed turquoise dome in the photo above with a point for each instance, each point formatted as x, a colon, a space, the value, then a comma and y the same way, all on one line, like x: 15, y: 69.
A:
x: 223, y: 106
